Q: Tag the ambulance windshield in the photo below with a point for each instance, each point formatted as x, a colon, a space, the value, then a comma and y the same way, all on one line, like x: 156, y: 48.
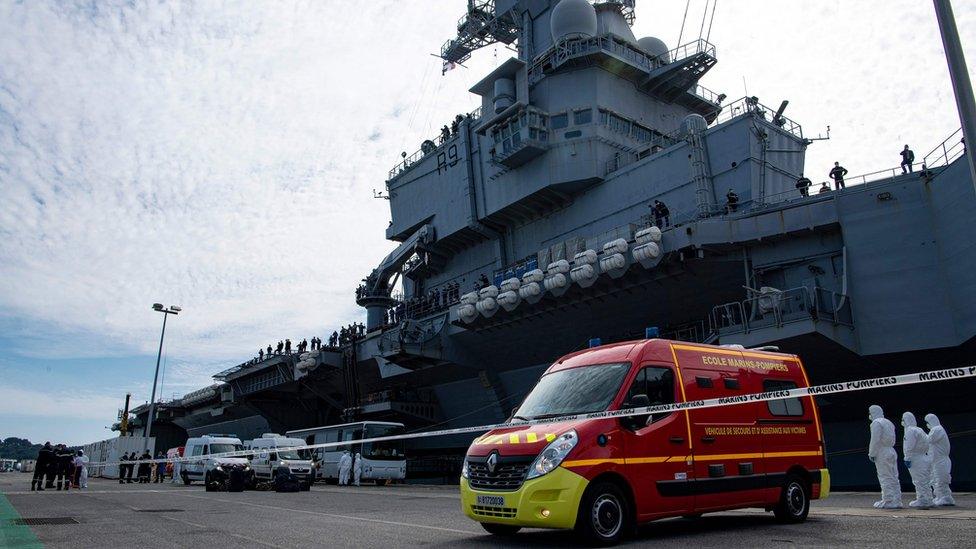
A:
x: 574, y: 391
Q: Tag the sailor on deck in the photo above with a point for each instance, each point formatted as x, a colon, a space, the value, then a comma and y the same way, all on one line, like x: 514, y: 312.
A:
x: 804, y: 184
x: 907, y: 159
x: 837, y: 174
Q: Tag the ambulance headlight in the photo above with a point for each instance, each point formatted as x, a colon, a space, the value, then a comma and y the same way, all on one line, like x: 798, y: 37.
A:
x: 464, y: 470
x: 553, y: 454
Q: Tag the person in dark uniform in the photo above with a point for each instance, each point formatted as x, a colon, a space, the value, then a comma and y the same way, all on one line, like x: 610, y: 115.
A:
x: 122, y: 466
x: 145, y: 467
x: 837, y: 174
x: 65, y: 461
x: 44, y: 457
x: 51, y: 470
x: 732, y: 201
x: 665, y: 213
x: 804, y: 184
x: 656, y: 213
x: 907, y: 159
x: 160, y: 467
x: 130, y: 468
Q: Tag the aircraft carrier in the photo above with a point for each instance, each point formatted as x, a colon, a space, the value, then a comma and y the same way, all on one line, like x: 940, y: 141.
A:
x: 525, y: 232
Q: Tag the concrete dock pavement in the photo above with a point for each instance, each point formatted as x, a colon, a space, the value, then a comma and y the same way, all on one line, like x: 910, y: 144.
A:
x: 164, y: 515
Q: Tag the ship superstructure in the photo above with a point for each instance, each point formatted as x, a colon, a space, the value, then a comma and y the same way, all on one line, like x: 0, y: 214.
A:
x: 601, y: 193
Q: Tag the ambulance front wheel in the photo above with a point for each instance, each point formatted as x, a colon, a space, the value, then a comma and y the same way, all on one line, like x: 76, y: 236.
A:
x: 500, y: 529
x: 794, y: 500
x: 604, y: 514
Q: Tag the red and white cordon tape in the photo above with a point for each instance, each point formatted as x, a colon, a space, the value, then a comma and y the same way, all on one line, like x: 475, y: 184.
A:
x: 816, y: 390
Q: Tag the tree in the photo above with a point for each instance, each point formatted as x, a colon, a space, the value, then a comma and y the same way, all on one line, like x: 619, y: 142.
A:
x: 18, y: 448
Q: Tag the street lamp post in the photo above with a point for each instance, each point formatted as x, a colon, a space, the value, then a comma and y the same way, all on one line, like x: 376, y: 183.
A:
x: 172, y: 310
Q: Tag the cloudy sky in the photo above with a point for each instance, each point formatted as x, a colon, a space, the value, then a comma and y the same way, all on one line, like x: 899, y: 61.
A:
x: 221, y: 156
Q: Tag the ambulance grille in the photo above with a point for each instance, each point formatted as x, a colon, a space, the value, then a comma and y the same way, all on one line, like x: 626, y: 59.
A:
x: 508, y: 475
x: 498, y: 512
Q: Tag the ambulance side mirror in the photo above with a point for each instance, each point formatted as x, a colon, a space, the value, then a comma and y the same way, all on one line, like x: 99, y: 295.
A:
x: 635, y: 422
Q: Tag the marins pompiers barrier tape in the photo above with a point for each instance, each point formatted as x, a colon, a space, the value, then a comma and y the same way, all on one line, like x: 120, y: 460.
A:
x: 830, y: 388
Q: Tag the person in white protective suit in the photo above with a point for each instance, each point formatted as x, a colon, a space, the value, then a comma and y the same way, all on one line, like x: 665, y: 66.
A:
x: 177, y: 469
x: 941, y: 464
x: 882, y: 452
x: 357, y: 468
x: 915, y: 446
x: 81, y: 465
x: 345, y: 464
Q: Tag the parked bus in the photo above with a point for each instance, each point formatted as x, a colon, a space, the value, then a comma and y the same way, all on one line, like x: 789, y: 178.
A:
x: 382, y: 461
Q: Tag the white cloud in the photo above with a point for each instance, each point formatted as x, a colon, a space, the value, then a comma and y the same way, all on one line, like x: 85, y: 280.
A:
x: 49, y: 405
x: 221, y: 156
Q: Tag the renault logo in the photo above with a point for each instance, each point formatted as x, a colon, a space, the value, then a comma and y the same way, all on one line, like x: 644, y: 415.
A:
x: 492, y: 462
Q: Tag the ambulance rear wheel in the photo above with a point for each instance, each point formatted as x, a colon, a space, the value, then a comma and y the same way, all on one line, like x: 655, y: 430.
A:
x: 604, y: 514
x: 186, y: 479
x: 794, y: 500
x: 500, y: 529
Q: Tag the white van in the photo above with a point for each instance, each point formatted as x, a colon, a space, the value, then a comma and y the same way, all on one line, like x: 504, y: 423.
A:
x: 271, y: 451
x: 199, y: 466
x: 382, y: 461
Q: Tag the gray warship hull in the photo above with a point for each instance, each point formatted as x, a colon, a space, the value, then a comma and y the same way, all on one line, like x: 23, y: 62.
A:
x: 541, y: 198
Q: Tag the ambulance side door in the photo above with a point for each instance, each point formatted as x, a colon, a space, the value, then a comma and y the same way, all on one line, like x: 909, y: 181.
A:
x: 729, y: 465
x: 657, y: 454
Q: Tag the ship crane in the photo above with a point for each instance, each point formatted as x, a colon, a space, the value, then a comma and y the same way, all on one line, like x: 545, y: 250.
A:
x: 481, y: 26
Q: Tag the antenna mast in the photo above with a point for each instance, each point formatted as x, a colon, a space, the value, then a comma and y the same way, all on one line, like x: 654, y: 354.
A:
x: 961, y: 84
x: 481, y: 26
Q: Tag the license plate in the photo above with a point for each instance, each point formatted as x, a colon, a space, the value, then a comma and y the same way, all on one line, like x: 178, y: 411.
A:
x: 491, y: 501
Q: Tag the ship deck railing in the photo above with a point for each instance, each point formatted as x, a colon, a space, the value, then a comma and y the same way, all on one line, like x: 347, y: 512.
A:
x: 944, y: 153
x: 573, y: 48
x: 254, y: 363
x: 746, y: 105
x: 784, y: 199
x: 774, y: 310
x: 740, y: 107
x: 790, y: 197
x: 438, y: 140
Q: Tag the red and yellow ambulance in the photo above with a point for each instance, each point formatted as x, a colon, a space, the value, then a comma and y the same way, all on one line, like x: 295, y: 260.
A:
x: 602, y: 476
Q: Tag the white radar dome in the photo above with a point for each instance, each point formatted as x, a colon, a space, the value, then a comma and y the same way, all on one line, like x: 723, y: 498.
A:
x: 655, y: 47
x: 572, y: 19
x: 693, y: 123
